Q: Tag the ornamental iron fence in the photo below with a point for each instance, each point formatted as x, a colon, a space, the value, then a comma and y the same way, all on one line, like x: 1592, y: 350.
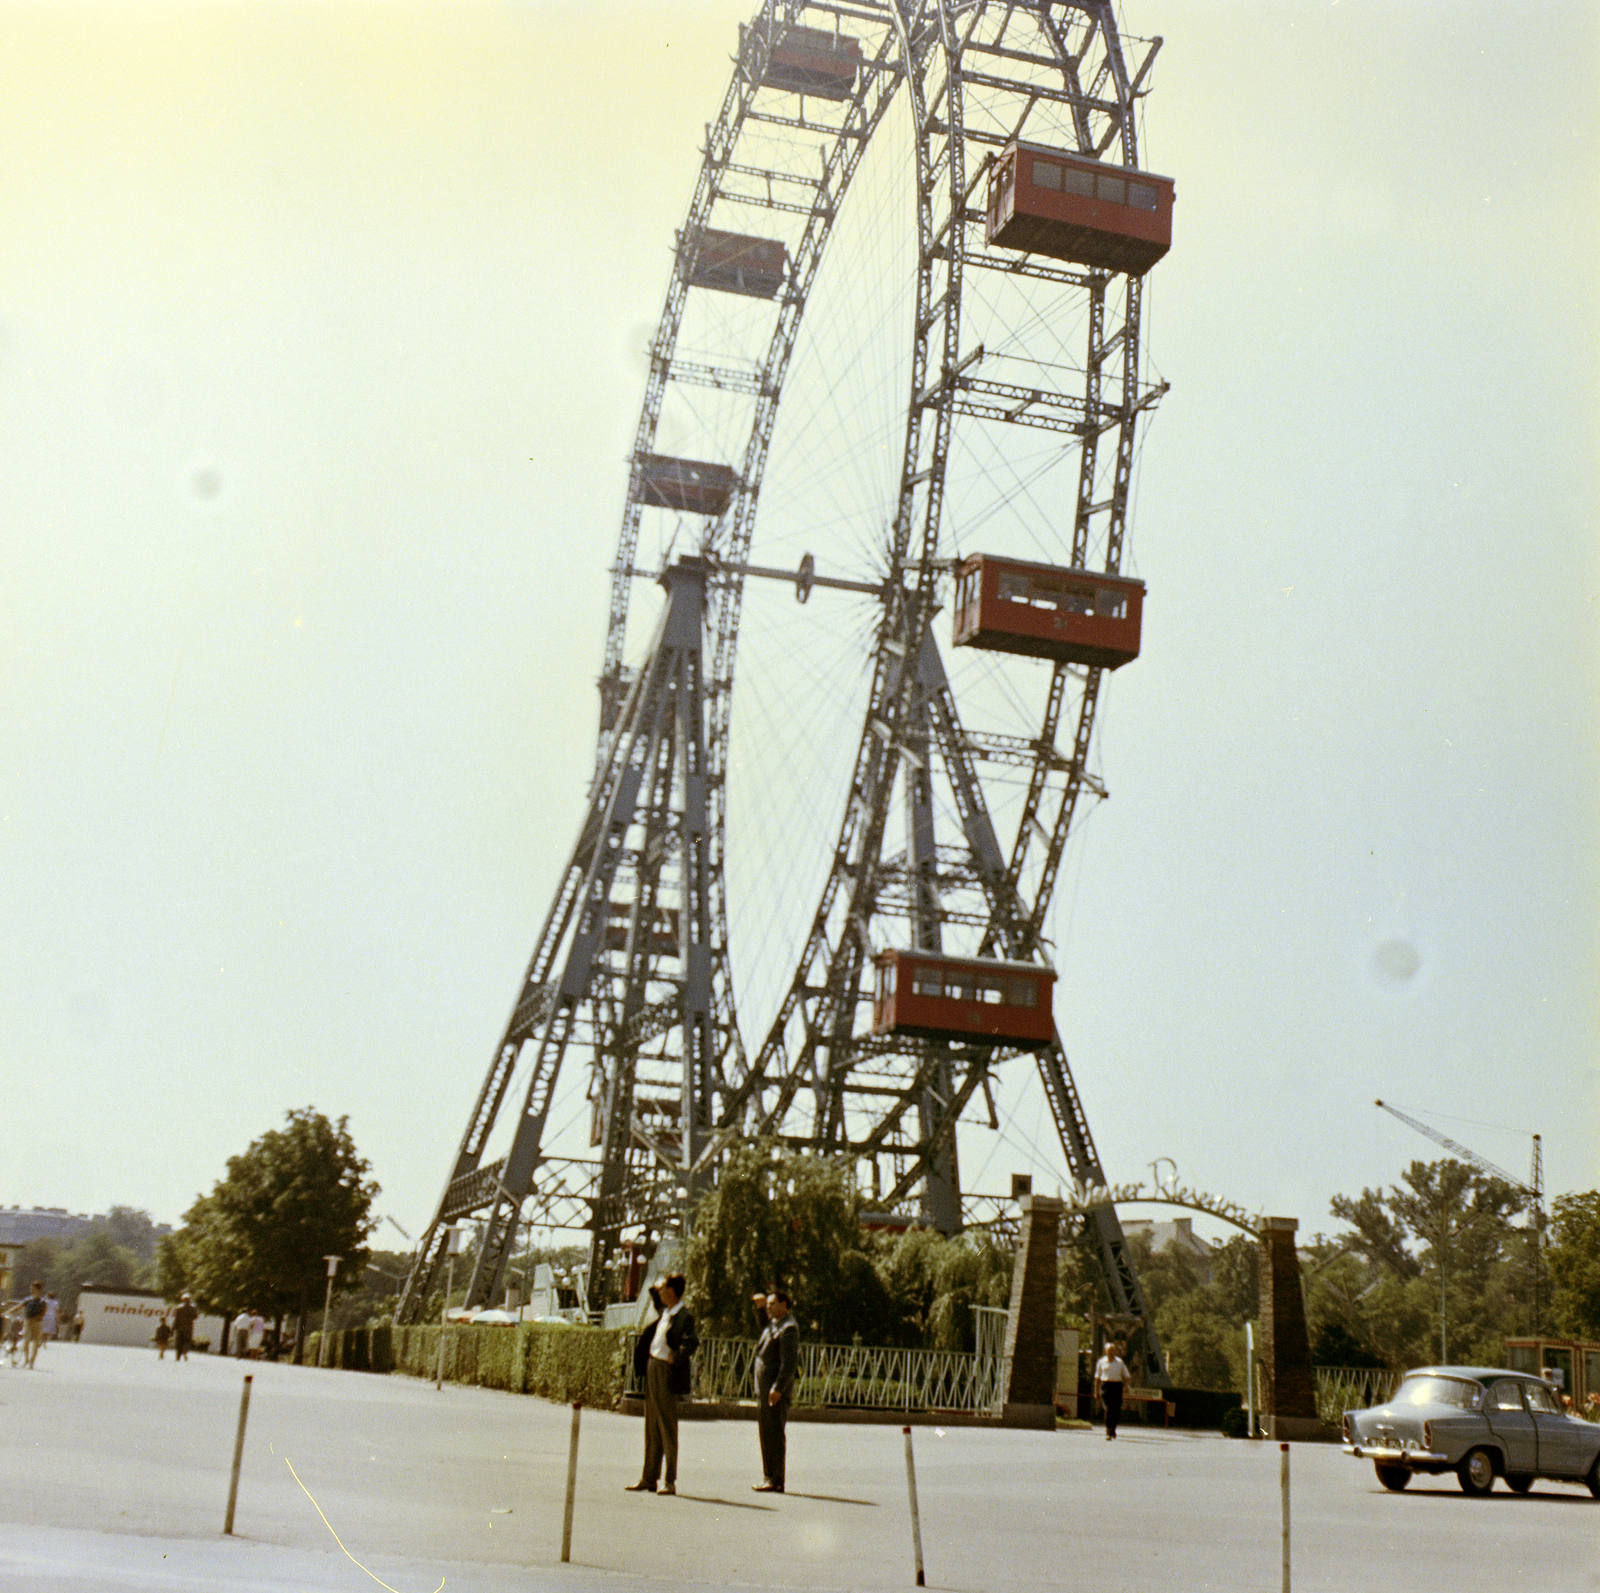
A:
x: 861, y: 1376
x: 1342, y: 1388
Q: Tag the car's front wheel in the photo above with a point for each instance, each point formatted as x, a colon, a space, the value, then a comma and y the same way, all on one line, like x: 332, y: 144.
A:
x: 1518, y: 1481
x: 1394, y: 1478
x: 1476, y: 1473
x: 1593, y: 1479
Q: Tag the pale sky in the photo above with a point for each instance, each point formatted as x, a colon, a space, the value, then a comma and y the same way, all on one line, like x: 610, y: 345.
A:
x: 321, y: 335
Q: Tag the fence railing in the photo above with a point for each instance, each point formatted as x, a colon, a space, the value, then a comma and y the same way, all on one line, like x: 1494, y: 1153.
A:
x: 857, y: 1376
x: 992, y: 1369
x: 1342, y: 1388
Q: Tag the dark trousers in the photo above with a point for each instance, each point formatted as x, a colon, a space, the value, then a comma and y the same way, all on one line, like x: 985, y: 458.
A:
x: 660, y: 1424
x: 1111, y: 1395
x: 772, y: 1423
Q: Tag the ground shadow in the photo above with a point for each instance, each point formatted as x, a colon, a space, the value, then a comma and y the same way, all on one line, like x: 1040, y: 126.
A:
x: 732, y: 1504
x: 1499, y: 1496
x: 833, y: 1498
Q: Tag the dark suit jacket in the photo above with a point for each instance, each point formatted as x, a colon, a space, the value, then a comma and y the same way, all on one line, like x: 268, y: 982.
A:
x: 777, y: 1356
x: 681, y: 1340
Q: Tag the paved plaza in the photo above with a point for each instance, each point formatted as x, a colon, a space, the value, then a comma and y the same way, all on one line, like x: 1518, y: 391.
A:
x: 115, y: 1471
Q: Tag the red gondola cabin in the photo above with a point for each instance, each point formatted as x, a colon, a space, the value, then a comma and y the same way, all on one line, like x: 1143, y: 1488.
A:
x: 730, y: 262
x: 690, y: 485
x: 964, y: 998
x: 1049, y: 201
x: 1044, y: 611
x: 814, y: 61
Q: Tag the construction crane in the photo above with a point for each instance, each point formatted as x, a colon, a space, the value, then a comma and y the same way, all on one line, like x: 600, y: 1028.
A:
x: 1533, y: 1186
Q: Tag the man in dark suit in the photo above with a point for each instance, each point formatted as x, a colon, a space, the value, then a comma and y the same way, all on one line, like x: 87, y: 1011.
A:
x: 661, y: 1359
x: 777, y: 1359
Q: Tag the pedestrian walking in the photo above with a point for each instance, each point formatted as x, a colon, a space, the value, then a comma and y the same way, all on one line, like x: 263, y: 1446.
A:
x: 662, y: 1357
x: 183, y: 1320
x: 241, y: 1333
x: 777, y: 1360
x: 52, y: 1315
x: 1111, y: 1378
x: 77, y: 1328
x: 163, y: 1336
x: 33, y: 1309
x: 258, y: 1334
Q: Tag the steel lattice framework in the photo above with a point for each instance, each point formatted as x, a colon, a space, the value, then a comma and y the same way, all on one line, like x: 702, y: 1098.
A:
x: 631, y: 972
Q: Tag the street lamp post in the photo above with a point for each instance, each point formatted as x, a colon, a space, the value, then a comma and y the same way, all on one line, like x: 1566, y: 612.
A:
x: 452, y: 1249
x: 327, y: 1301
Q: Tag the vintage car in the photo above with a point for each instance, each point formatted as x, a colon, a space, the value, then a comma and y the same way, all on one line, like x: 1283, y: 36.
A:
x: 1480, y: 1422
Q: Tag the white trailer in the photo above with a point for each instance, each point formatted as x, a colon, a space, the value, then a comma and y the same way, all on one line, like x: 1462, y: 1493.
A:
x: 129, y: 1317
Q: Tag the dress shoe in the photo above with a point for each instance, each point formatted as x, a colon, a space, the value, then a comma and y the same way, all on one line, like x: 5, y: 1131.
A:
x: 766, y: 1487
x: 668, y: 1487
x: 641, y: 1487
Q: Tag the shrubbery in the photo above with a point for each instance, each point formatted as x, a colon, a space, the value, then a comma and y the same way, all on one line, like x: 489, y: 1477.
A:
x: 557, y: 1363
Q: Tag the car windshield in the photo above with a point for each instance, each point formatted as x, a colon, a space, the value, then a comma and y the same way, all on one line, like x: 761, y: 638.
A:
x: 1439, y: 1391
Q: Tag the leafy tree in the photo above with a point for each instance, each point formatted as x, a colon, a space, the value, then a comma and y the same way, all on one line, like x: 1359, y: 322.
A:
x: 1204, y: 1348
x: 1201, y: 1325
x: 1574, y: 1263
x: 94, y: 1257
x: 371, y: 1302
x: 130, y: 1229
x: 258, y: 1239
x: 1437, y: 1268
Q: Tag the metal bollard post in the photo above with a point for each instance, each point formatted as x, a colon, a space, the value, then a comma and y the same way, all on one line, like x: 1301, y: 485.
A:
x: 1250, y: 1379
x: 1283, y: 1488
x: 572, y: 1483
x: 238, y: 1456
x: 916, y: 1520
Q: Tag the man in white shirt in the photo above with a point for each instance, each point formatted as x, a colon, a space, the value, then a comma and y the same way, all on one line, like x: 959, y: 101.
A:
x: 661, y: 1356
x: 241, y: 1333
x: 258, y: 1333
x: 1111, y: 1377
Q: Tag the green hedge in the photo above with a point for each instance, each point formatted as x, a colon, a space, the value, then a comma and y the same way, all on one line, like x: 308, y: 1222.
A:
x: 558, y: 1363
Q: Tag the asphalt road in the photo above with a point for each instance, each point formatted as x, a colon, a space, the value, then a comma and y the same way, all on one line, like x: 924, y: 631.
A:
x: 114, y: 1475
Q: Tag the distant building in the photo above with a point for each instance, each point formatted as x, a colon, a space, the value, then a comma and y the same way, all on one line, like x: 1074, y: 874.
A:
x: 21, y: 1225
x: 1176, y: 1235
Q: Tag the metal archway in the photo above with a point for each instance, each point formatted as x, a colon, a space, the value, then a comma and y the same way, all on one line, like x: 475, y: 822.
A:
x: 632, y: 969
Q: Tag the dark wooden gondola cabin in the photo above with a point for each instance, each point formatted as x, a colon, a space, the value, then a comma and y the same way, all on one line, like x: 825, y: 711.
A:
x: 731, y: 262
x: 693, y: 486
x: 1067, y: 206
x: 815, y: 62
x: 1045, y: 611
x: 964, y: 998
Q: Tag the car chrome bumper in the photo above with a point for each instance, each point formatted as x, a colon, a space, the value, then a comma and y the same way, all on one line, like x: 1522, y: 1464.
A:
x: 1390, y: 1456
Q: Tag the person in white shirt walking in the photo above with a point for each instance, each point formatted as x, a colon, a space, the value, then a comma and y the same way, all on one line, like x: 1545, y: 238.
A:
x: 1111, y: 1378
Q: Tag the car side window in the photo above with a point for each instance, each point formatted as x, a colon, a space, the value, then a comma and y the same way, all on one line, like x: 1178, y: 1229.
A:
x: 1541, y: 1400
x: 1505, y: 1395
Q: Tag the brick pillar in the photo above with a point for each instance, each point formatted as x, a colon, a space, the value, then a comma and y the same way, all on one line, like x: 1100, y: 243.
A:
x: 1288, y: 1392
x: 1031, y: 1329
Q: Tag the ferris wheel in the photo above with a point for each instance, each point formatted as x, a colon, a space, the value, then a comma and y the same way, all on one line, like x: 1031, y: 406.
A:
x: 898, y: 377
